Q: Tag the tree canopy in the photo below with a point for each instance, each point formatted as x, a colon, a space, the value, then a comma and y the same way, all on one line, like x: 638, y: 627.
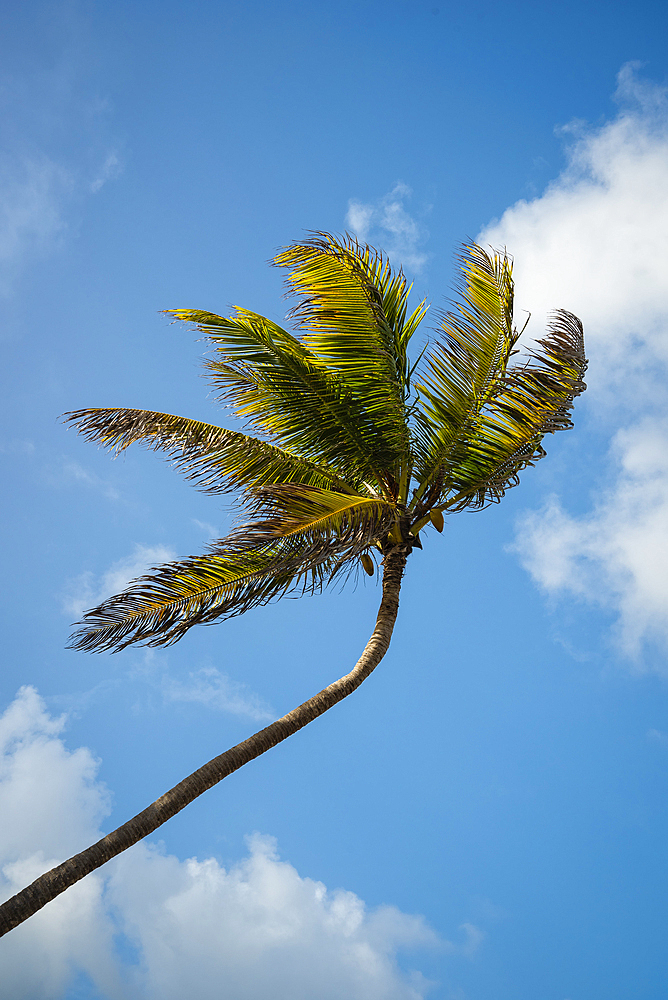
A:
x: 350, y: 447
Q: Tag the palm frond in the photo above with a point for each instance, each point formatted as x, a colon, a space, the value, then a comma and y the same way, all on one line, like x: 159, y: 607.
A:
x: 353, y: 314
x: 249, y: 568
x: 286, y: 393
x: 160, y: 607
x: 463, y: 370
x: 534, y: 399
x: 290, y: 509
x: 341, y: 307
x: 214, y: 459
x: 552, y: 379
x: 353, y: 306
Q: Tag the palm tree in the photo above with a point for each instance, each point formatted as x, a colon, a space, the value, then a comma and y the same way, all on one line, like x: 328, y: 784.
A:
x: 355, y: 453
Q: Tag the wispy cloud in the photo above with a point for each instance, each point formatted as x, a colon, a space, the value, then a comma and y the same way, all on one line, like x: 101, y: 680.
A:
x: 47, y: 173
x: 388, y: 224
x: 37, y: 194
x: 596, y: 242
x: 32, y: 220
x: 208, y: 686
x: 207, y: 528
x: 151, y: 927
x: 110, y: 169
x: 617, y: 554
x: 205, y: 686
x: 17, y: 446
x: 73, y: 472
x: 89, y: 589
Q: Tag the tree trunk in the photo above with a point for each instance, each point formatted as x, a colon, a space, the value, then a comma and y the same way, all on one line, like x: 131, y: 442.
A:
x: 52, y: 883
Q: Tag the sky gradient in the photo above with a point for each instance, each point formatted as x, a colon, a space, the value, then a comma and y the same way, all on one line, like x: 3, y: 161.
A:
x: 485, y: 819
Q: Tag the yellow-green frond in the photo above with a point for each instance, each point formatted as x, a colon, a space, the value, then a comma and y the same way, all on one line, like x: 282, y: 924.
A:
x: 534, y: 399
x: 249, y: 568
x: 341, y: 307
x: 464, y: 369
x: 299, y: 509
x: 160, y: 607
x: 353, y: 306
x: 353, y: 315
x: 214, y: 459
x: 286, y: 393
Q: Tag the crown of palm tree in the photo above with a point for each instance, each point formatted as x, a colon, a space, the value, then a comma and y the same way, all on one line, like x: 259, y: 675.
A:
x: 353, y: 450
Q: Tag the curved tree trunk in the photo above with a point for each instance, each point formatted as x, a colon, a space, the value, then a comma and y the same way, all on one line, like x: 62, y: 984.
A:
x: 52, y: 883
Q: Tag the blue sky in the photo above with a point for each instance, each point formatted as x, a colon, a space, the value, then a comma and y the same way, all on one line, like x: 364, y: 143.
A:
x: 486, y: 817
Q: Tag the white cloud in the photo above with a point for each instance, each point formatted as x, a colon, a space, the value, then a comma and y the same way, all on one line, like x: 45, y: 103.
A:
x: 42, y: 785
x: 31, y: 211
x: 596, y: 243
x: 616, y: 555
x: 54, y: 153
x: 388, y: 223
x: 151, y: 927
x: 87, y: 590
x: 261, y: 929
x: 208, y: 686
x: 360, y: 218
x: 51, y: 804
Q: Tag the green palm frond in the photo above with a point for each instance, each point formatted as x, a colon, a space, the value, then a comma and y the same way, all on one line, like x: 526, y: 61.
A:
x: 293, y: 508
x: 340, y: 308
x: 352, y: 309
x: 395, y: 291
x: 273, y: 381
x: 552, y: 378
x: 463, y: 370
x: 160, y: 607
x: 250, y: 568
x: 353, y: 314
x: 214, y: 459
x: 535, y: 398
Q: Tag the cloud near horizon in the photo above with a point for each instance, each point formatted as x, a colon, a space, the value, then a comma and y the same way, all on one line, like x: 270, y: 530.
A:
x: 596, y: 242
x: 151, y: 927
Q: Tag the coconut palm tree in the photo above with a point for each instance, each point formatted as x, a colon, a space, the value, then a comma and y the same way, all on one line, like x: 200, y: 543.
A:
x: 355, y: 453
